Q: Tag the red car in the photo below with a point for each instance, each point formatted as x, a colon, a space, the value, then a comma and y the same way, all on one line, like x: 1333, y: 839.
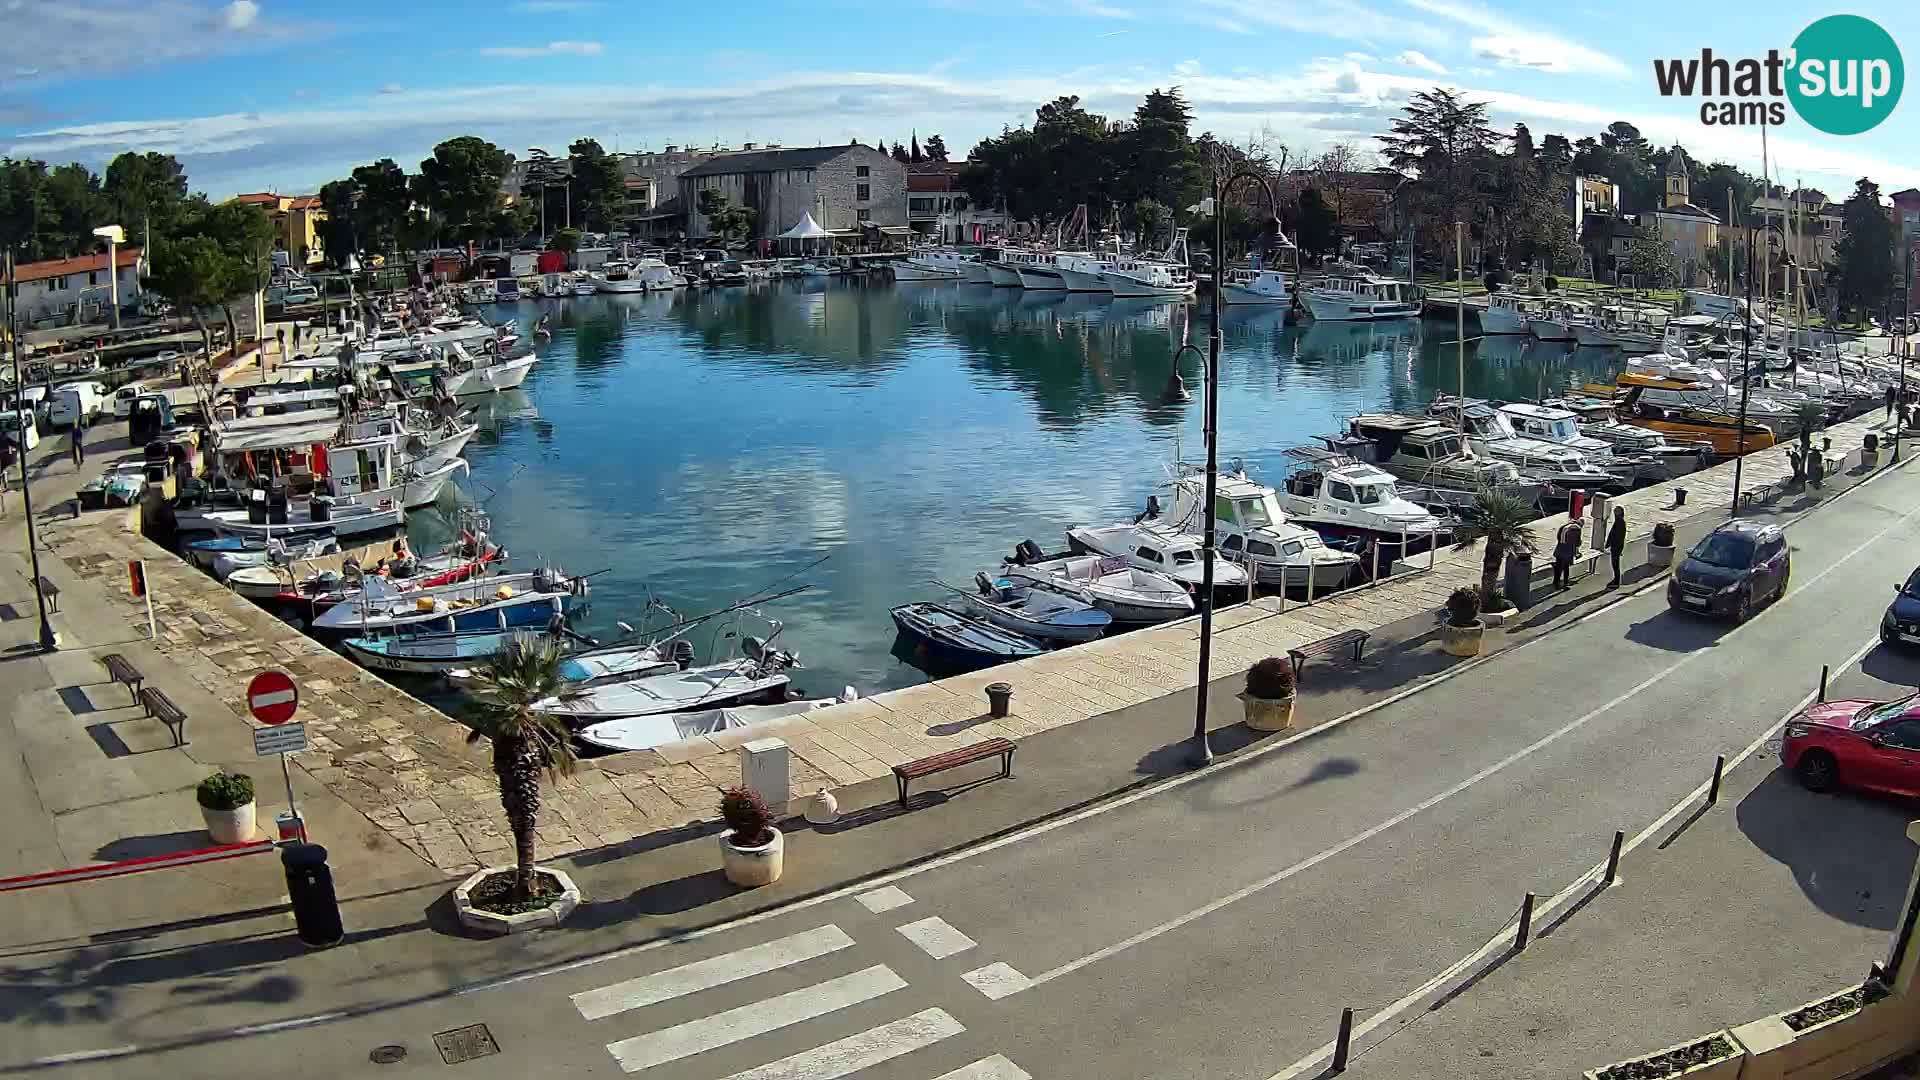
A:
x: 1874, y: 745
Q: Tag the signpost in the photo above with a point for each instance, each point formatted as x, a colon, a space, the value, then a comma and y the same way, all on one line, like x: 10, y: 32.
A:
x: 137, y: 584
x: 272, y: 698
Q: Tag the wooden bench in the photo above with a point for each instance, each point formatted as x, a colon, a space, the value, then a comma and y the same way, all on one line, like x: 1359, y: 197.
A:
x: 122, y: 671
x: 965, y: 755
x: 162, y: 708
x: 49, y: 590
x: 1326, y: 645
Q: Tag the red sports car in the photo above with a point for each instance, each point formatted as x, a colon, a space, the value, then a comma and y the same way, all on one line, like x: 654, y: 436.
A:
x: 1873, y: 745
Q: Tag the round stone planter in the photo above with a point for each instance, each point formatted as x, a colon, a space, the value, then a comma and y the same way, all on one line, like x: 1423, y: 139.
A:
x: 752, y: 867
x: 554, y: 913
x: 229, y: 826
x: 1268, y: 714
x: 1462, y: 640
x: 1659, y: 556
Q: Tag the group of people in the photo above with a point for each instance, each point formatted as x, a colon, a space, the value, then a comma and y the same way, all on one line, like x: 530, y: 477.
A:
x: 1566, y: 548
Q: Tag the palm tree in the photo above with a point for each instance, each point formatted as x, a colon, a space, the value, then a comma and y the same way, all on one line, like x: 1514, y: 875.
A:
x: 525, y: 743
x: 1501, y: 520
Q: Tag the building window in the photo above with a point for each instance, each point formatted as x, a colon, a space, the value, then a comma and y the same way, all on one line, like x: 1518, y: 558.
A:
x: 862, y: 192
x: 862, y: 170
x: 59, y: 285
x: 920, y: 206
x: 863, y: 215
x: 93, y: 277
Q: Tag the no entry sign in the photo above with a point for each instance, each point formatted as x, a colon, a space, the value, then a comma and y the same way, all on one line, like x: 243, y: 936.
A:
x: 272, y: 697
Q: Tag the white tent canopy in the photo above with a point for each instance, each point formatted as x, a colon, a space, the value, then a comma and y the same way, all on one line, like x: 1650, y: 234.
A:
x: 807, y: 229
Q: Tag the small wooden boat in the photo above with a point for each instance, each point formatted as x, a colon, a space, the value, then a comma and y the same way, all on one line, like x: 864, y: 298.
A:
x: 1030, y: 611
x: 952, y: 639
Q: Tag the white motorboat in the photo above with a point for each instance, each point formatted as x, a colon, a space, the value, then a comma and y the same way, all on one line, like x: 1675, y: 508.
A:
x: 933, y: 264
x: 382, y: 606
x: 1561, y: 427
x: 1135, y: 279
x: 1422, y: 451
x: 1082, y: 272
x: 1252, y: 528
x: 978, y: 272
x: 1505, y: 313
x: 736, y: 682
x: 1243, y: 285
x: 468, y: 374
x: 1555, y: 322
x: 654, y: 730
x: 1359, y: 295
x: 1160, y: 547
x: 1002, y: 275
x: 233, y: 566
x: 656, y: 276
x: 1348, y: 500
x: 1030, y: 611
x: 1130, y: 595
x: 617, y: 276
x: 1618, y: 328
x: 1489, y: 433
x: 1034, y: 270
x: 584, y: 285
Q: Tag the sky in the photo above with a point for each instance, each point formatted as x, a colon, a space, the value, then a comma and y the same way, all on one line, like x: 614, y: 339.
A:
x: 284, y: 95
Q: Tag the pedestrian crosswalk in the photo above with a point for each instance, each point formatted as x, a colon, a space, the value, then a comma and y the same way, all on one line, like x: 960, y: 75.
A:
x: 803, y: 993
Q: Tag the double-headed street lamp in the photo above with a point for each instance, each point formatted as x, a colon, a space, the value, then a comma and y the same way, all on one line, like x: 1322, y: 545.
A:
x: 114, y: 235
x: 1202, y: 753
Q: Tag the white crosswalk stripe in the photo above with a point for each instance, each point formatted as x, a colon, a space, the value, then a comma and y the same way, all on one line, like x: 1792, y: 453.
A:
x: 988, y: 1068
x: 936, y: 936
x: 843, y: 1057
x: 757, y: 1018
x: 706, y: 974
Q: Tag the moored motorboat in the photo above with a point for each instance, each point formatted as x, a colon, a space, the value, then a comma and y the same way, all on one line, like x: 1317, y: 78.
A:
x: 1159, y: 547
x: 653, y: 730
x: 746, y: 680
x: 1033, y: 612
x: 1130, y: 595
x: 953, y: 639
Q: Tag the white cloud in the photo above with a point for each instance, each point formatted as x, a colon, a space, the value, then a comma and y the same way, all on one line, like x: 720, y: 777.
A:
x: 1509, y: 44
x: 1414, y: 59
x: 551, y: 48
x: 1360, y: 57
x: 239, y: 15
x: 1347, y: 20
x: 1099, y: 10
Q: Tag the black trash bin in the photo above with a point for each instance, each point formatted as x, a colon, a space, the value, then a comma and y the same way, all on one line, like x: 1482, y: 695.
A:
x: 316, y: 912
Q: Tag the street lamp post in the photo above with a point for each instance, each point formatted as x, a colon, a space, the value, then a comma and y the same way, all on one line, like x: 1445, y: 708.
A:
x: 114, y: 235
x: 1746, y: 380
x: 1202, y: 753
x: 48, y: 642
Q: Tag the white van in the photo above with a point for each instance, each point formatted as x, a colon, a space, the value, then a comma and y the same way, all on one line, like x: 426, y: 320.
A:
x: 75, y: 401
x: 124, y: 398
x: 19, y: 428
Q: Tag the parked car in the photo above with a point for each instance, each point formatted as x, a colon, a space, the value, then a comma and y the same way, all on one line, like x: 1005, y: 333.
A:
x: 1858, y: 743
x: 1901, y: 623
x: 18, y: 427
x: 301, y: 294
x: 124, y: 398
x: 1731, y: 571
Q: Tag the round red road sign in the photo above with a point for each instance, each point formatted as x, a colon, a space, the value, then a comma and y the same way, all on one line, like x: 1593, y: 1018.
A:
x: 272, y: 697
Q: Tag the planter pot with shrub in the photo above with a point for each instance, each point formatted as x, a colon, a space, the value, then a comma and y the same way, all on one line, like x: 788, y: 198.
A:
x: 1717, y: 1055
x: 487, y: 900
x: 1660, y: 548
x: 1460, y: 635
x: 1269, y: 695
x: 752, y: 851
x: 226, y: 805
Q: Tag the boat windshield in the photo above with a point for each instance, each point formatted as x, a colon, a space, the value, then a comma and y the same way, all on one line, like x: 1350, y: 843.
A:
x: 1563, y: 429
x: 1254, y: 512
x: 1183, y: 556
x: 1370, y: 494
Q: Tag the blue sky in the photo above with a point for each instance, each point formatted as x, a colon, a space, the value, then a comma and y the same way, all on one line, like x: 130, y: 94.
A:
x: 286, y: 94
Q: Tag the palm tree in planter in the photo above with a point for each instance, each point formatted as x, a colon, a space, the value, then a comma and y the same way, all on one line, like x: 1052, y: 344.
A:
x: 1269, y: 695
x: 526, y: 743
x: 1502, y: 522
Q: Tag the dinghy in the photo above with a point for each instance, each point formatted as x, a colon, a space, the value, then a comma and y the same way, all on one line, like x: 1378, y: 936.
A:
x: 648, y: 732
x: 736, y: 682
x: 202, y: 553
x: 1130, y: 595
x: 1031, y: 611
x: 952, y: 639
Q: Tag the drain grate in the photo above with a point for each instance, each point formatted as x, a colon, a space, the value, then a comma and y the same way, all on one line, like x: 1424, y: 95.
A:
x: 465, y: 1044
x: 387, y: 1055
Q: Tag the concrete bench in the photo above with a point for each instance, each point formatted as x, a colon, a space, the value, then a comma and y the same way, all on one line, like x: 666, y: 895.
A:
x: 952, y: 759
x: 122, y: 671
x: 1299, y: 654
x: 162, y: 708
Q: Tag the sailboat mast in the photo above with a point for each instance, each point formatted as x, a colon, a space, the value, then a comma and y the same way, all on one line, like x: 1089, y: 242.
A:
x: 1766, y: 181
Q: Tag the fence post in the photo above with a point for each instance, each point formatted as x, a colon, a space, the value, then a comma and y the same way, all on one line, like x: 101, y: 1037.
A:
x: 1823, y: 682
x: 1719, y: 767
x: 1613, y: 859
x: 1526, y: 924
x: 1343, y: 1042
x: 1309, y: 588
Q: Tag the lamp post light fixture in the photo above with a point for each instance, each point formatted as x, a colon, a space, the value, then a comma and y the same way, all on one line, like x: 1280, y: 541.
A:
x: 1202, y: 752
x: 114, y: 235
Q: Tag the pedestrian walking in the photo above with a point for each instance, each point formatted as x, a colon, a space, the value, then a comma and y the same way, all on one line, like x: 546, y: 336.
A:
x: 1617, y: 542
x: 79, y: 448
x: 1892, y: 393
x: 1566, y: 547
x: 280, y: 335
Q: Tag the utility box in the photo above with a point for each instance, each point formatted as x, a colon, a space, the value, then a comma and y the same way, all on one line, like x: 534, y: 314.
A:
x: 764, y: 768
x: 1601, y: 511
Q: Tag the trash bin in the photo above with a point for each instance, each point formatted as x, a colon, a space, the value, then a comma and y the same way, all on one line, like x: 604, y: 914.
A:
x: 316, y: 912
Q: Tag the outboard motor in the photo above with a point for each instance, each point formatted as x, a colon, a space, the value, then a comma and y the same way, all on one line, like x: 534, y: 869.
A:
x: 682, y: 653
x: 1028, y: 553
x: 986, y: 584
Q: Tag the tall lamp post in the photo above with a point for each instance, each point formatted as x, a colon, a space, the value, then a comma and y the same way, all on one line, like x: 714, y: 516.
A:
x: 1746, y: 380
x: 1202, y: 753
x: 114, y: 235
x: 48, y: 642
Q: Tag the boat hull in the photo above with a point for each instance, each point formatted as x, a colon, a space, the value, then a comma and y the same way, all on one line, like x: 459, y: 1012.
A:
x: 1502, y: 321
x: 1004, y: 277
x: 906, y: 271
x: 1240, y: 294
x: 1550, y: 330
x: 979, y: 274
x: 1337, y: 307
x: 492, y: 378
x: 1084, y: 281
x: 1037, y: 280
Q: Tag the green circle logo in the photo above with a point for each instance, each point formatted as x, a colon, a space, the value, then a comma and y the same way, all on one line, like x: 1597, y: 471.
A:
x: 1846, y: 74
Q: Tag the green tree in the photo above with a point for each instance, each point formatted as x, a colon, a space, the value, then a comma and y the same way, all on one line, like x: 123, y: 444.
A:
x: 1501, y: 521
x: 1318, y: 229
x: 1863, y: 265
x: 191, y: 273
x: 1710, y: 192
x: 147, y: 192
x: 566, y: 241
x: 461, y: 182
x: 339, y: 234
x: 1649, y: 256
x: 724, y: 219
x: 243, y: 235
x: 382, y: 206
x: 599, y: 186
x: 1447, y: 141
x: 936, y: 148
x: 526, y: 744
x: 1157, y: 157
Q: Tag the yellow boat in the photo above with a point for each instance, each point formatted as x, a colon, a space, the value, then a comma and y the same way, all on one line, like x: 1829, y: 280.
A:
x: 1685, y: 409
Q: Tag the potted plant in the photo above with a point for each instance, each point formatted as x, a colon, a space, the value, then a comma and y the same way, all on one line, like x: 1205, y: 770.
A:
x: 1460, y: 634
x: 751, y: 850
x: 1269, y: 695
x: 1503, y: 523
x: 1660, y: 548
x: 226, y: 805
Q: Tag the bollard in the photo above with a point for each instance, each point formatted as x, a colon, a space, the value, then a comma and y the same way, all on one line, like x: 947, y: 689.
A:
x: 1342, y: 1042
x: 1679, y: 497
x: 1309, y: 584
x: 316, y: 911
x: 999, y: 700
x: 1719, y: 766
x: 1823, y: 683
x: 1613, y: 859
x: 1376, y: 562
x: 1526, y: 924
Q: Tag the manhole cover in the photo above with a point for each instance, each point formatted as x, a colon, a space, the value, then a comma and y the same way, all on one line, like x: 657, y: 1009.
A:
x: 465, y: 1044
x: 387, y: 1055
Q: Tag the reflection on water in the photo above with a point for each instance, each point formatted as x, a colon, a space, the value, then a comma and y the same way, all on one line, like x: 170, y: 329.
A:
x: 705, y: 444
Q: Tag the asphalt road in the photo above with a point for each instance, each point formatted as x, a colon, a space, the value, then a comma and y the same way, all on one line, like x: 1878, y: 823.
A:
x: 1215, y: 927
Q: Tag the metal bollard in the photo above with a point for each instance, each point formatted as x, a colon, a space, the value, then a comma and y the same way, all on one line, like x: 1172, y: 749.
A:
x: 1613, y: 859
x: 1823, y: 683
x: 1719, y: 767
x: 1342, y: 1043
x: 1526, y: 924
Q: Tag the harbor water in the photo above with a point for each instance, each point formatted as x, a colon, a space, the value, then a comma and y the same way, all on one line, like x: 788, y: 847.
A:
x: 870, y: 439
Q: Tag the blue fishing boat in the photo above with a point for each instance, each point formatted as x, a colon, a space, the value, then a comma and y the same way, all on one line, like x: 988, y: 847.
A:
x: 951, y: 639
x: 429, y: 654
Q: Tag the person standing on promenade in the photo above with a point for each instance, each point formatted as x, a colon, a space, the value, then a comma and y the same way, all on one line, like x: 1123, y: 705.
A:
x: 1617, y: 542
x: 1565, y: 548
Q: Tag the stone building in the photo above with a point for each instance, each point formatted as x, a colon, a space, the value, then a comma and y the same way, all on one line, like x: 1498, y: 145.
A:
x: 848, y: 189
x: 1693, y: 232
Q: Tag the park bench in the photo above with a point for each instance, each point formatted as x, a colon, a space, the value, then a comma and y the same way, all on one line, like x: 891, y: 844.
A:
x: 122, y: 671
x: 965, y: 755
x: 49, y: 590
x: 1326, y: 645
x: 162, y: 708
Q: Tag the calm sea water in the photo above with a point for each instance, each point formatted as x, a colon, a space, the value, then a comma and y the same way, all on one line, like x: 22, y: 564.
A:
x: 703, y: 445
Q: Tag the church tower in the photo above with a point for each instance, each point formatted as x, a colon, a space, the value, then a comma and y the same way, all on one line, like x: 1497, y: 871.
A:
x: 1677, y: 187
